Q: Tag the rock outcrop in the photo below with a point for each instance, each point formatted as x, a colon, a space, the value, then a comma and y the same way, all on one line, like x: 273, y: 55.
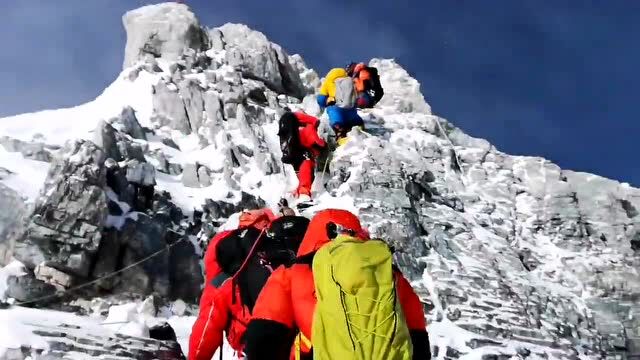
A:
x: 164, y: 30
x: 95, y: 218
x: 11, y: 222
x: 256, y: 57
x: 62, y: 338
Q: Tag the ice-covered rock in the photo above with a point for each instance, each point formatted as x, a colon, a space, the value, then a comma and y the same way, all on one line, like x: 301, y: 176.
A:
x: 163, y: 30
x: 128, y: 123
x: 41, y: 334
x: 402, y: 92
x: 65, y: 228
x: 30, y: 150
x: 251, y: 52
x: 12, y: 214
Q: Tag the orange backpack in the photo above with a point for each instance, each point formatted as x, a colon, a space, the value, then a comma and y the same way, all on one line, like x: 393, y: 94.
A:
x: 260, y: 218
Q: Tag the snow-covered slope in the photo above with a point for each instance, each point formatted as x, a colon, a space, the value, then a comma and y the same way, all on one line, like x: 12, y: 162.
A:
x: 513, y: 256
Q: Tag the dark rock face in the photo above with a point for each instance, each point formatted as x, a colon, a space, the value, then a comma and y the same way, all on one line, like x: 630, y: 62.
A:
x: 95, y: 218
x: 128, y: 124
x: 65, y: 228
x: 169, y: 108
x: 196, y: 175
x: 28, y: 288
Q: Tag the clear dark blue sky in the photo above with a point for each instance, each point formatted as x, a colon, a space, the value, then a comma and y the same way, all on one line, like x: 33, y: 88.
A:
x: 552, y: 78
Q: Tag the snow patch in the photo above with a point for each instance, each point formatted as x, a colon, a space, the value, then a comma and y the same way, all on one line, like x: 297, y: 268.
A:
x: 25, y: 176
x: 14, y: 268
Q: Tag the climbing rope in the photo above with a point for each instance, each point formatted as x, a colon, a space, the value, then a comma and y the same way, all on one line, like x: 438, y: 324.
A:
x: 110, y: 275
x: 455, y: 153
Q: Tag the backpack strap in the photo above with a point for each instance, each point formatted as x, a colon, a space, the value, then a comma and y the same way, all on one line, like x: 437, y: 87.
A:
x: 220, y: 279
x: 301, y: 339
x: 251, y: 252
x: 244, y: 263
x: 307, y: 259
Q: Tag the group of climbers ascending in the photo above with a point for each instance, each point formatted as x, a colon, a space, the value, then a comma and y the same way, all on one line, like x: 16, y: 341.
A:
x: 283, y: 287
x: 342, y: 92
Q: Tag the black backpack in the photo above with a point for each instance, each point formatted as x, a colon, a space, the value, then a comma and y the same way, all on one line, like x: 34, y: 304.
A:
x: 276, y: 247
x: 375, y: 87
x: 232, y: 251
x: 289, y: 133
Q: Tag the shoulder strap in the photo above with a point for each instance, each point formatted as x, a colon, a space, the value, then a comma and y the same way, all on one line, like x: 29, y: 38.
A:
x: 219, y: 280
x: 301, y: 339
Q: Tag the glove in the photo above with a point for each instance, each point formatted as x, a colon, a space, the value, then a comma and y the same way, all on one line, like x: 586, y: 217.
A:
x: 331, y: 101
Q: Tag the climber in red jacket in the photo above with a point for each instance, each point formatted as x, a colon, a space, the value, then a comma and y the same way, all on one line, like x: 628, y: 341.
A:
x: 312, y: 145
x: 219, y: 313
x: 221, y: 309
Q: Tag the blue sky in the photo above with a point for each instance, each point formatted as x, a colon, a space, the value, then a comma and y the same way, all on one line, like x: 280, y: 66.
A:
x: 552, y: 78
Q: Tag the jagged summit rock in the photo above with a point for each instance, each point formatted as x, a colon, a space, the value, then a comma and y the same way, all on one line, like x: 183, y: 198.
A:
x: 257, y: 57
x: 164, y: 30
x: 402, y: 91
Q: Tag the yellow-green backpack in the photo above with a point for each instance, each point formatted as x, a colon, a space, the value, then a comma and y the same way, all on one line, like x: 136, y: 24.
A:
x: 358, y: 314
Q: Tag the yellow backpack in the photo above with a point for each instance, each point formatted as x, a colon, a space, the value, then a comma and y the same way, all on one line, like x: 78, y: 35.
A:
x: 358, y: 314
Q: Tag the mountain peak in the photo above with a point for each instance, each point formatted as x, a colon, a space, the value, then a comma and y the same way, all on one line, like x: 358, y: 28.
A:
x: 402, y: 90
x: 164, y: 30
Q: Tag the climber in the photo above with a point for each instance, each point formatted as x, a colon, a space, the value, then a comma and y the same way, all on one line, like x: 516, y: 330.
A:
x: 206, y: 335
x: 243, y: 260
x: 259, y: 218
x: 306, y: 298
x: 343, y: 91
x: 367, y: 84
x: 301, y: 145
